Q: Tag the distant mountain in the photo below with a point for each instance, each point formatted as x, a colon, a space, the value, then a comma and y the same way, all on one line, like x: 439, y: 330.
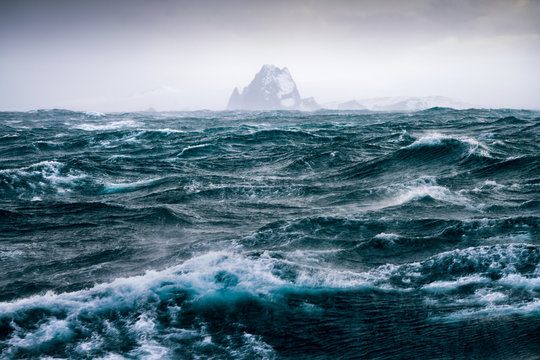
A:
x: 351, y: 105
x: 271, y: 89
x: 401, y: 104
x: 309, y: 104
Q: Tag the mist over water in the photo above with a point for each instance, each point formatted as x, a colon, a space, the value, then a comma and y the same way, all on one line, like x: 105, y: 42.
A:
x: 273, y: 235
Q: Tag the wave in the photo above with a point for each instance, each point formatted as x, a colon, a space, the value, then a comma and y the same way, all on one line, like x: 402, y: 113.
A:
x: 111, y: 214
x: 54, y: 112
x: 511, y: 120
x: 390, y: 237
x: 112, y: 125
x: 166, y: 131
x: 94, y: 114
x: 127, y: 313
x: 417, y: 192
x: 45, y: 177
x: 448, y: 143
x: 514, y: 167
x: 268, y: 232
x: 114, y: 188
x: 9, y: 137
x: 137, y: 306
x: 421, y: 189
x: 271, y: 135
x: 188, y: 150
x: 430, y: 153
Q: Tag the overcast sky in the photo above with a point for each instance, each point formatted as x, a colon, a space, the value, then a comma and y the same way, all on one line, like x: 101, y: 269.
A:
x: 106, y: 55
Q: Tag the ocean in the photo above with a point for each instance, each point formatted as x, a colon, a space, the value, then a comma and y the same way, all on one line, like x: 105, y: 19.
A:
x: 270, y: 235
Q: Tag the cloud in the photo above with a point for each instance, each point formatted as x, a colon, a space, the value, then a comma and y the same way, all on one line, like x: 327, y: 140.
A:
x: 61, y: 51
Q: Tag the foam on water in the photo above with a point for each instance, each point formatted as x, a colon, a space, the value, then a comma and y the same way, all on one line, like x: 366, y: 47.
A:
x: 112, y: 188
x: 493, y: 310
x: 94, y: 114
x: 164, y: 130
x: 217, y: 276
x: 216, y: 273
x: 40, y: 178
x: 437, y: 139
x: 113, y: 125
x: 191, y: 147
x: 445, y: 286
x: 210, y: 276
x: 421, y: 188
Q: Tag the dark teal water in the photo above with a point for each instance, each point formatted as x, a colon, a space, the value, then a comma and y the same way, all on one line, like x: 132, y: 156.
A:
x: 269, y: 235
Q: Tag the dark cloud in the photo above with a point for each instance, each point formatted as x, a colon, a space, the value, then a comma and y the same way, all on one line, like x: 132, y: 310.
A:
x: 441, y: 17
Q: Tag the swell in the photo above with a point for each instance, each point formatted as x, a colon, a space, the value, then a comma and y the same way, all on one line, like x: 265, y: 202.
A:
x: 188, y: 298
x: 366, y: 242
x: 58, y: 215
x: 270, y: 234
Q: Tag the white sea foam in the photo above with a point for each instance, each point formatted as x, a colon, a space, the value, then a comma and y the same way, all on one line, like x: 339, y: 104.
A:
x: 436, y: 139
x: 191, y: 147
x: 386, y: 239
x: 253, y: 347
x: 111, y: 188
x: 226, y: 275
x: 164, y: 130
x: 117, y: 157
x: 422, y: 187
x: 522, y: 282
x: 387, y: 236
x: 113, y: 125
x: 487, y: 296
x: 205, y: 275
x: 508, y: 238
x: 428, y: 140
x: 11, y: 254
x: 488, y: 135
x: 40, y: 176
x: 95, y: 114
x: 446, y: 286
x: 52, y: 329
x: 491, y: 310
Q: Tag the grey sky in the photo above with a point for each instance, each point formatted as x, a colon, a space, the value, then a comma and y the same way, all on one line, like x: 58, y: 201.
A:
x: 129, y: 55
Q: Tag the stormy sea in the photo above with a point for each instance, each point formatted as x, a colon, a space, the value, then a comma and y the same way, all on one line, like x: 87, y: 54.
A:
x: 270, y: 235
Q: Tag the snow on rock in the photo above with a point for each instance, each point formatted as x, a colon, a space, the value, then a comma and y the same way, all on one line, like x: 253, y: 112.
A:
x: 271, y: 89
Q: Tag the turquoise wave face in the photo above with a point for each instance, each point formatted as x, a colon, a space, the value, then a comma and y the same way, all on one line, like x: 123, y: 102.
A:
x: 270, y: 234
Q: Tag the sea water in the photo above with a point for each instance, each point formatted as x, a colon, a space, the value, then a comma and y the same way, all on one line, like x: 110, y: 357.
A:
x: 270, y: 235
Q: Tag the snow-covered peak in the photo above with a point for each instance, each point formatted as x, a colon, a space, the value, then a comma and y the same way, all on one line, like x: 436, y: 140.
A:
x: 271, y: 78
x: 270, y: 67
x: 271, y: 89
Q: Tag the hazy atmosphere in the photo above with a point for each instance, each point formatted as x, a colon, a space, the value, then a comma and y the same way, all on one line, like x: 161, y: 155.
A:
x: 270, y: 179
x: 177, y: 55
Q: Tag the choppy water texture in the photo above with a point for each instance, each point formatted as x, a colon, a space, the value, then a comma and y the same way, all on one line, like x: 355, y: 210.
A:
x: 270, y: 235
